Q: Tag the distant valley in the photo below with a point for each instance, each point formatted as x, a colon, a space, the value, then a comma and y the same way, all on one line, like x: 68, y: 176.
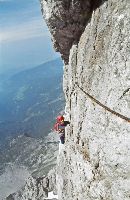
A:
x: 30, y: 101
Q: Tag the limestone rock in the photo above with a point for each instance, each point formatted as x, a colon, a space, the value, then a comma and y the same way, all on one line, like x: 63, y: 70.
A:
x: 66, y: 20
x: 95, y: 163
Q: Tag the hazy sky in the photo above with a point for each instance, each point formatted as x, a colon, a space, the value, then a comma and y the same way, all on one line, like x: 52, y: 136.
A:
x: 24, y: 37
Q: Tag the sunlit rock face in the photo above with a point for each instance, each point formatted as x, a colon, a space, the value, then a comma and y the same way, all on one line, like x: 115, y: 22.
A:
x: 66, y: 20
x: 95, y: 160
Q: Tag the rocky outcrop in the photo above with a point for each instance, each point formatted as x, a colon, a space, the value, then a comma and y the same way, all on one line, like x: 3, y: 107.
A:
x: 31, y: 172
x: 95, y: 162
x: 36, y: 188
x: 66, y: 20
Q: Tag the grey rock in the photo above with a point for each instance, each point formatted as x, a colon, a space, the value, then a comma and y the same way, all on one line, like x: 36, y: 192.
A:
x: 10, y: 197
x: 36, y: 188
x: 66, y: 20
x: 39, y: 156
x: 95, y: 161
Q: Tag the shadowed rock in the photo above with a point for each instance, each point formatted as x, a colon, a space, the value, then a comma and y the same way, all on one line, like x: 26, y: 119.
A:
x: 66, y: 20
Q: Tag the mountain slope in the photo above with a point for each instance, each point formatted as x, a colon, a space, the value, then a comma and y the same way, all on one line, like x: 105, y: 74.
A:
x: 30, y: 100
x: 26, y: 157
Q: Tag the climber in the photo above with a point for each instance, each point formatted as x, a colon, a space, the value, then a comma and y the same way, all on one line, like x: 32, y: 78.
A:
x: 60, y: 127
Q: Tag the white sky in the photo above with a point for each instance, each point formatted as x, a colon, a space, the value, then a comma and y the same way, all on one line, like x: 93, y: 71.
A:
x: 24, y: 37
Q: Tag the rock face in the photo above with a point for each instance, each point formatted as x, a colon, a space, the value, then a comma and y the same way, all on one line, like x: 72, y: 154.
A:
x: 95, y: 162
x: 66, y: 20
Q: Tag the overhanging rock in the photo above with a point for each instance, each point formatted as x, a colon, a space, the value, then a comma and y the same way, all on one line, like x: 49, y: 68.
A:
x: 66, y: 20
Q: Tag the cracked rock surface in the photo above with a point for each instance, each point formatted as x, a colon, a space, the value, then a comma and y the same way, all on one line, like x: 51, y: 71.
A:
x: 95, y: 161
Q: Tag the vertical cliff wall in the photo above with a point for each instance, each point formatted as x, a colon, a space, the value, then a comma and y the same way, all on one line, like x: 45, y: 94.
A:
x: 95, y: 161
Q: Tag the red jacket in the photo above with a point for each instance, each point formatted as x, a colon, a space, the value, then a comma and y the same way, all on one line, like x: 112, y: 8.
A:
x: 59, y: 127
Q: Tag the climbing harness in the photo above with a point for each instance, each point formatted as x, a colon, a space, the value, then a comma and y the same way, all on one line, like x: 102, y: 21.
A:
x: 103, y: 106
